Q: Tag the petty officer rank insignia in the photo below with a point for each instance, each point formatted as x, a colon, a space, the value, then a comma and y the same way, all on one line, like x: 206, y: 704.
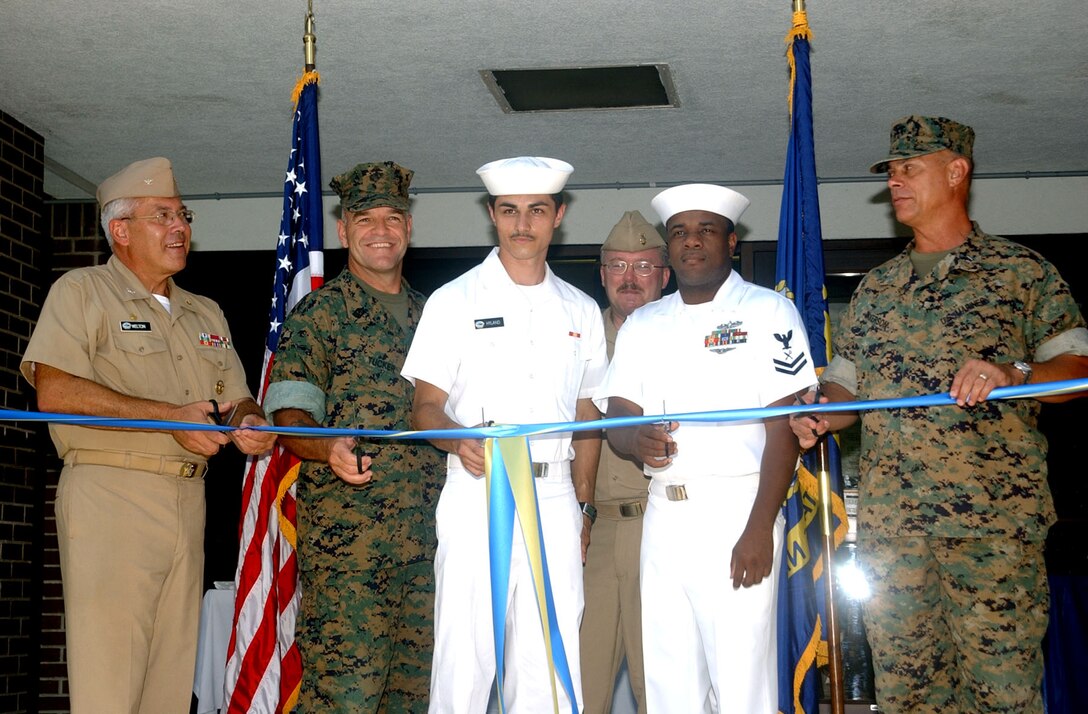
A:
x: 726, y: 337
x: 789, y: 364
x: 134, y: 326
x: 210, y: 340
x: 484, y: 323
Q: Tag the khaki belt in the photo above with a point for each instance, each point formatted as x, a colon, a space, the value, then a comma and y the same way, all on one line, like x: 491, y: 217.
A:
x: 136, y: 462
x: 621, y: 511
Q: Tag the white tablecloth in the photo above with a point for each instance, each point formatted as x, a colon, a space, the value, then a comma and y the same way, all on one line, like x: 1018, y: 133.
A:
x: 216, y: 613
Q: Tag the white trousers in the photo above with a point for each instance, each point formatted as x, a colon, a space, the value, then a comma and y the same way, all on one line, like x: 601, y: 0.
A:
x: 706, y: 646
x: 463, y: 672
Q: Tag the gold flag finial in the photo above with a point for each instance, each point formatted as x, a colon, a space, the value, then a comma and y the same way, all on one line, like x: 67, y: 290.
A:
x: 309, y: 44
x: 309, y: 39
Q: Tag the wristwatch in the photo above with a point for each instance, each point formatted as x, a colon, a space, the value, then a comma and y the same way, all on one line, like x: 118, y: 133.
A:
x: 590, y: 510
x: 1025, y: 369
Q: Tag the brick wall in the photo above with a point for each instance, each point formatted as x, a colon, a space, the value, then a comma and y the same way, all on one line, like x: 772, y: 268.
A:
x: 21, y: 492
x: 76, y: 242
x: 77, y: 238
x: 33, y: 675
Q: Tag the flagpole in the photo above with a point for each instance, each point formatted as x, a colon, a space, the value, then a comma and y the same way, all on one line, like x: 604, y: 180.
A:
x: 823, y: 459
x: 834, y: 651
x: 264, y: 665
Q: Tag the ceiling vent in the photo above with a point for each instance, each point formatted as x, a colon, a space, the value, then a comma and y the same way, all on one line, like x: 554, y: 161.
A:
x: 580, y: 88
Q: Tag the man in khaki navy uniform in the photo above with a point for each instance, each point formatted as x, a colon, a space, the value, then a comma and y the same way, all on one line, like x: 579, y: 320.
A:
x: 954, y: 505
x: 634, y: 271
x: 122, y: 340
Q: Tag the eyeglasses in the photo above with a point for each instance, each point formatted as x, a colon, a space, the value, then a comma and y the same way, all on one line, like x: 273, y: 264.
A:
x: 165, y: 218
x: 642, y: 268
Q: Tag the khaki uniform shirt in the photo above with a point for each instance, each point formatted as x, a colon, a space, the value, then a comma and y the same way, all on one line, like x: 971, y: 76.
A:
x: 619, y: 479
x: 102, y: 324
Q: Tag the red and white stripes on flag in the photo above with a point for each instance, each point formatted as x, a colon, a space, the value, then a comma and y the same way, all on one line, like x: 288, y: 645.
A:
x: 264, y: 669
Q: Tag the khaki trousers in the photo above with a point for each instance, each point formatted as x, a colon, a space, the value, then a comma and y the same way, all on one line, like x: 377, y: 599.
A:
x: 132, y: 561
x: 612, y: 621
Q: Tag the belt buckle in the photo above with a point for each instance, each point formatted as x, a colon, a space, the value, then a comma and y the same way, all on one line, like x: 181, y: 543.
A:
x: 630, y: 510
x: 540, y: 470
x: 187, y: 469
x: 676, y: 492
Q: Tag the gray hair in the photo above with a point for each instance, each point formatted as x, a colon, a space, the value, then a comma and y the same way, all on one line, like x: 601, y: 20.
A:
x: 117, y: 208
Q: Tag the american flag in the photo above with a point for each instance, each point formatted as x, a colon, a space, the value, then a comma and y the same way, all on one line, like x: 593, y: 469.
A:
x: 264, y: 669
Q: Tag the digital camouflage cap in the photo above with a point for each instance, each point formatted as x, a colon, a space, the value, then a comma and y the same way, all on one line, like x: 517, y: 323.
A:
x: 916, y: 135
x: 372, y: 185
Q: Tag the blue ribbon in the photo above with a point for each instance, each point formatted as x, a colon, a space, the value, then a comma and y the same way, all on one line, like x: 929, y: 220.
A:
x: 500, y: 525
x: 512, y: 493
x: 1026, y: 391
x: 502, y: 506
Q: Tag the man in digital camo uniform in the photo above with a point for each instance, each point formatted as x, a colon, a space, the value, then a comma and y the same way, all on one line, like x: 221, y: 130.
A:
x: 123, y: 340
x: 634, y: 271
x: 954, y: 503
x: 366, y: 535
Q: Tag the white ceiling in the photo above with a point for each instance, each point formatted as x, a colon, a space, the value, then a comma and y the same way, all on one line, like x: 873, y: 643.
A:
x: 208, y: 85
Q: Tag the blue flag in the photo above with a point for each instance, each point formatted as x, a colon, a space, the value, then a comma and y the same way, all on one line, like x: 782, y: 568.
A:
x: 799, y: 274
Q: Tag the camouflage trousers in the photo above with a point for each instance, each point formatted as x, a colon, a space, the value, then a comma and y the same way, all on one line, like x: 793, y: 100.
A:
x: 366, y: 639
x: 956, y: 624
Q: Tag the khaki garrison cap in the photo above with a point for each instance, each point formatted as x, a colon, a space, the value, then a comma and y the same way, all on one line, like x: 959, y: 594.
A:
x: 149, y: 177
x: 632, y: 234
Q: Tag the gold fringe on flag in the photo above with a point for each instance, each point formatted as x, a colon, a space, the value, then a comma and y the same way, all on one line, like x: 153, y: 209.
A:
x: 800, y: 30
x: 286, y: 526
x: 312, y: 77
